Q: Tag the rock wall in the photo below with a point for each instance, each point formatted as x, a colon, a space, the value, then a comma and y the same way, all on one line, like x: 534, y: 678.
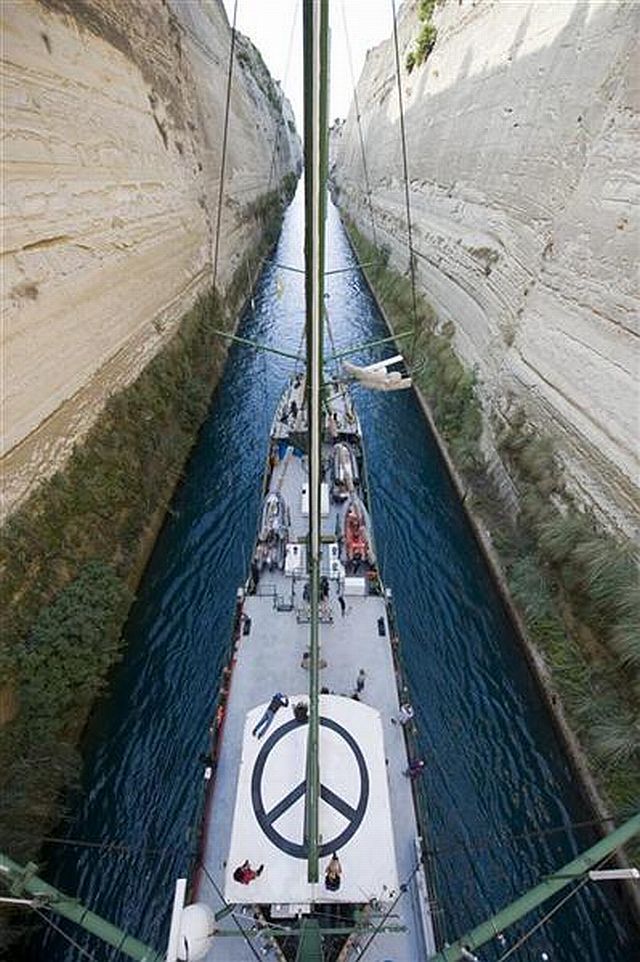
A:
x: 524, y: 199
x: 112, y: 135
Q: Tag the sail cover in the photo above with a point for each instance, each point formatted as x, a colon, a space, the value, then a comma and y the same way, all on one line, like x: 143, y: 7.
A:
x: 354, y: 814
x: 389, y: 375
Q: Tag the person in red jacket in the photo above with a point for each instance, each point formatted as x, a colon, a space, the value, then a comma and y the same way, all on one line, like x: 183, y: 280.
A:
x: 245, y: 874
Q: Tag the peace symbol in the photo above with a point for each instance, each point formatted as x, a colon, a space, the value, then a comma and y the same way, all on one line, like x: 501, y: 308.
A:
x: 266, y: 819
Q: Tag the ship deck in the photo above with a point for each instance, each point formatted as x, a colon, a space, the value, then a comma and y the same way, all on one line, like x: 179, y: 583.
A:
x: 269, y: 658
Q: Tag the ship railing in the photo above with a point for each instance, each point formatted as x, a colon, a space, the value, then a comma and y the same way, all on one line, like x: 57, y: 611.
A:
x: 420, y: 803
x: 199, y: 823
x: 423, y: 905
x: 281, y: 602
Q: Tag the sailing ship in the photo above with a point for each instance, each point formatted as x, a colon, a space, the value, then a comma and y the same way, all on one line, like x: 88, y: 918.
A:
x: 311, y: 844
x: 257, y: 848
x: 310, y: 828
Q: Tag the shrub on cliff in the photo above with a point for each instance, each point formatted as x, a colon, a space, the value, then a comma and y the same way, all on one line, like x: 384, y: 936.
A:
x: 598, y: 572
x: 425, y: 43
x: 72, y: 644
x: 426, y: 39
x: 61, y: 666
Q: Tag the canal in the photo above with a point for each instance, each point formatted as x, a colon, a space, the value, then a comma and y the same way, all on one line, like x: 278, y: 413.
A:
x: 502, y: 797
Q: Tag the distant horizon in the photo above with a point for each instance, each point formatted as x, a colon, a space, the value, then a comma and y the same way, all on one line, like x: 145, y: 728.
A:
x: 268, y: 23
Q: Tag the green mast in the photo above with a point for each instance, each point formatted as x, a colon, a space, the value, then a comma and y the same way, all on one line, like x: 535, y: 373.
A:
x: 23, y: 881
x: 575, y: 870
x: 315, y: 32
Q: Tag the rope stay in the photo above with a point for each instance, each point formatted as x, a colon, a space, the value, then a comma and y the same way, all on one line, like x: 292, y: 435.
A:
x: 365, y: 168
x: 280, y: 127
x: 405, y: 166
x: 543, y: 921
x: 58, y: 928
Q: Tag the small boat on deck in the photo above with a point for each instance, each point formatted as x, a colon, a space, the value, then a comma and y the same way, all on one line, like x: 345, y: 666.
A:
x: 345, y: 471
x: 357, y: 540
x: 272, y: 540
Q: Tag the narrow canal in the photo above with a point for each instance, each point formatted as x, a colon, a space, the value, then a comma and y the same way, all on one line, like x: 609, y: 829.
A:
x: 497, y: 781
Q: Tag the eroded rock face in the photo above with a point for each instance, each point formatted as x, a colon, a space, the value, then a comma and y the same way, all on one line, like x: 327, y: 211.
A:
x: 524, y: 199
x: 113, y: 121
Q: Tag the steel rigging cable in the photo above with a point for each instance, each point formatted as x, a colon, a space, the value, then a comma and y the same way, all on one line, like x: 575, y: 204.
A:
x: 480, y: 844
x: 61, y: 931
x: 276, y: 144
x: 224, y: 144
x: 367, y: 182
x: 405, y: 165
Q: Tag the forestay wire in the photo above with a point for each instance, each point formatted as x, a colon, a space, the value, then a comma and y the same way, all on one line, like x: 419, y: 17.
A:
x: 280, y: 127
x: 367, y: 182
x: 413, y: 333
x: 224, y: 144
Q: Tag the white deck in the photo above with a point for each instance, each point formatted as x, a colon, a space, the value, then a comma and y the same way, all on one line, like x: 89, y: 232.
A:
x: 268, y: 660
x: 353, y: 799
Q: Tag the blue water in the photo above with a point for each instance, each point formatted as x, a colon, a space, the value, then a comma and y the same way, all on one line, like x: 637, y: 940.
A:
x: 496, y: 769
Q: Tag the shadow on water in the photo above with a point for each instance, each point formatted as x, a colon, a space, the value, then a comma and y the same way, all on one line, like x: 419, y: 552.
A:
x: 495, y: 768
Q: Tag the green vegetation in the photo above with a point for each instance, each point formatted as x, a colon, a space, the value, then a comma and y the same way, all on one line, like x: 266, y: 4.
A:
x: 267, y: 209
x: 71, y: 554
x: 426, y: 39
x: 575, y: 586
x: 60, y: 667
x: 67, y: 556
x: 589, y: 633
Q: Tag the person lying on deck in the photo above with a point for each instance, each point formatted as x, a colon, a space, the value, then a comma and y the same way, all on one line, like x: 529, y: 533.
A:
x: 278, y: 701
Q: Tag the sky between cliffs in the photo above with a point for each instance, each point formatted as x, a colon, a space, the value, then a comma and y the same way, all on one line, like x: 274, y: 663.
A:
x: 269, y: 24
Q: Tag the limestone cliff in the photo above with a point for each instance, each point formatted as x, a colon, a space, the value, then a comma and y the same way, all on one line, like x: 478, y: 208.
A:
x: 524, y: 198
x: 112, y: 135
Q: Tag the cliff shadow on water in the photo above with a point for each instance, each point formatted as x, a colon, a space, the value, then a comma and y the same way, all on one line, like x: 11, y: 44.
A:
x: 503, y: 804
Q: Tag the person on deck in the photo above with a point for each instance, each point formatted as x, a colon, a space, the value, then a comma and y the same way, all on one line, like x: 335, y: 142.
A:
x: 404, y: 716
x: 278, y: 701
x: 415, y: 769
x: 333, y: 873
x: 360, y: 681
x: 245, y: 874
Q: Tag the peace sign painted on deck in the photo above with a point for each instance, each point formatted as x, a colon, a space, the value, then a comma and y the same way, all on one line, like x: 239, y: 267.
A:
x: 267, y: 819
